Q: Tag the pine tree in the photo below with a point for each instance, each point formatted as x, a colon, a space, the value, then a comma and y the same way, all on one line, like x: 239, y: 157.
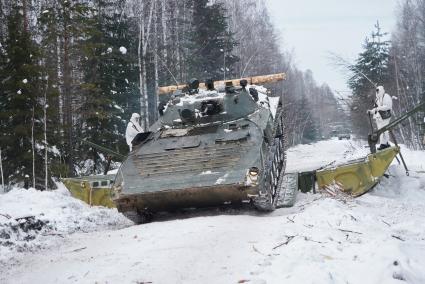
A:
x: 110, y: 79
x: 64, y: 27
x: 211, y: 42
x: 371, y: 68
x: 21, y: 108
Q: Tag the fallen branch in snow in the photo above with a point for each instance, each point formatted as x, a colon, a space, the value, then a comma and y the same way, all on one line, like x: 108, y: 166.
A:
x: 336, y: 191
x: 289, y: 238
x: 327, y: 165
x: 5, y: 215
x: 388, y: 224
x: 53, y: 234
x: 291, y: 220
x: 348, y: 231
x: 302, y: 206
x: 330, y: 191
x: 78, y: 249
x: 256, y: 250
x: 353, y: 218
x: 308, y: 203
x: 398, y: 238
x: 310, y: 240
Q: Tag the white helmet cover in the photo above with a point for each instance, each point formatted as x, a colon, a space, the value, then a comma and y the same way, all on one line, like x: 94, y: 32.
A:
x: 380, y: 91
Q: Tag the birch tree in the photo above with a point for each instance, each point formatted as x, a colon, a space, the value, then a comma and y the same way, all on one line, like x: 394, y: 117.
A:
x: 142, y: 8
x: 408, y: 67
x: 92, y: 88
x: 46, y: 145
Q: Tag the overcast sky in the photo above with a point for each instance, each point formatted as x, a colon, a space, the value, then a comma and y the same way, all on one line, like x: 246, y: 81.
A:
x: 313, y: 28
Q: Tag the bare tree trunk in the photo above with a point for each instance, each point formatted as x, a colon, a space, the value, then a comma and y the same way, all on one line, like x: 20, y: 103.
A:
x: 403, y: 136
x: 67, y: 95
x: 185, y: 50
x: 59, y: 76
x: 33, y: 148
x: 46, y: 176
x: 164, y: 30
x: 145, y: 93
x: 142, y: 52
x: 25, y: 12
x: 139, y: 58
x: 1, y: 172
x: 155, y: 92
x: 178, y: 49
x: 303, y: 127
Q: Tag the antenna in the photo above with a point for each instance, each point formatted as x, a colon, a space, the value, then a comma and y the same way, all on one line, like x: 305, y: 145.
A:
x: 366, y: 77
x: 166, y: 67
x: 339, y: 60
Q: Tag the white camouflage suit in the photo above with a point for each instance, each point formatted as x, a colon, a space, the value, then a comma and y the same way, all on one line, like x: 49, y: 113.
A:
x: 133, y: 128
x: 383, y: 102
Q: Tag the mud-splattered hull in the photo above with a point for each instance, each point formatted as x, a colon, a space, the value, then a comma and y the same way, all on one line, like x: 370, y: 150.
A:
x: 186, y: 198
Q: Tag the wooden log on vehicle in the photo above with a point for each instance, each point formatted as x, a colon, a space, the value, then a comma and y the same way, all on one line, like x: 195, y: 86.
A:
x: 256, y: 80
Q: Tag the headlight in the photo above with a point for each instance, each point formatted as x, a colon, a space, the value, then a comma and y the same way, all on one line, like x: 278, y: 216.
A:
x: 253, y: 172
x: 252, y: 176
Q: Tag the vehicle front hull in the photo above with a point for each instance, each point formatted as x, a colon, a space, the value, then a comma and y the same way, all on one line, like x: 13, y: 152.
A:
x: 198, y: 197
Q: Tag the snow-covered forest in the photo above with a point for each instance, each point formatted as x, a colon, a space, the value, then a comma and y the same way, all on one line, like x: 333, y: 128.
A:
x: 249, y: 184
x: 72, y: 70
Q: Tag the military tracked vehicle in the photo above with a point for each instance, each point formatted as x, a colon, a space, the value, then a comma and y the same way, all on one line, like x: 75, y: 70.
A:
x: 213, y: 144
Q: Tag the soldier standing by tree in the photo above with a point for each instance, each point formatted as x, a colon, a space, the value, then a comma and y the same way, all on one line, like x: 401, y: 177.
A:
x: 382, y: 114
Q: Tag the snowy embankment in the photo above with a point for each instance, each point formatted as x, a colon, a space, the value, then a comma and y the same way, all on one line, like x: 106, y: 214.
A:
x: 30, y: 220
x: 377, y: 238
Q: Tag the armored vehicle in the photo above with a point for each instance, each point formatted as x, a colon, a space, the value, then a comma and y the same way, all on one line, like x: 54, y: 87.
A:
x: 212, y: 146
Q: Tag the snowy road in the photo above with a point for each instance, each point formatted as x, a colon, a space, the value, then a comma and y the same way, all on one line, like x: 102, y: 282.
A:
x: 377, y: 238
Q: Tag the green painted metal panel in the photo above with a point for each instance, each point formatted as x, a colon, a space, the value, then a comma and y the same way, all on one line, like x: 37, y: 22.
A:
x: 359, y: 176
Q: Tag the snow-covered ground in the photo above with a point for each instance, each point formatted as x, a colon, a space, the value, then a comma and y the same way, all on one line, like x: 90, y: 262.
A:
x: 31, y: 220
x: 377, y: 238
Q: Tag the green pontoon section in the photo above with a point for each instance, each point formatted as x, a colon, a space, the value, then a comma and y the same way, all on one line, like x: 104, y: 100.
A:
x: 94, y: 190
x: 359, y: 176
